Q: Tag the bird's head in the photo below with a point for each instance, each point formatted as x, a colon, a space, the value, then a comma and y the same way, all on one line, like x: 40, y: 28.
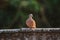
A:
x: 30, y: 15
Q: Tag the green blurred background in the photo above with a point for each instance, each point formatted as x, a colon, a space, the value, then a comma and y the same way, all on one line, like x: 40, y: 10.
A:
x: 13, y: 13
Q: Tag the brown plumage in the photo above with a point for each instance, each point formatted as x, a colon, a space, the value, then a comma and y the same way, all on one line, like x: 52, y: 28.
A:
x: 30, y: 22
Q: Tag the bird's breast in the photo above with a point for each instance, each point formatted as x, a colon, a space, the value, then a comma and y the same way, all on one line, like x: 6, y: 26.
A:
x: 30, y: 23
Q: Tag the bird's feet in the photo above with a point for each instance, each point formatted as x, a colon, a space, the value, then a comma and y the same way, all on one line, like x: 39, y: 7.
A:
x: 32, y: 29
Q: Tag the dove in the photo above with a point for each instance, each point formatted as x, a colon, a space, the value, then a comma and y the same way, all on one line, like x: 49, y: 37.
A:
x: 30, y: 22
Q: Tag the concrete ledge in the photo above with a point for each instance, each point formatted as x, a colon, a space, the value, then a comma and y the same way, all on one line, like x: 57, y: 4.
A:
x: 27, y: 34
x: 28, y: 30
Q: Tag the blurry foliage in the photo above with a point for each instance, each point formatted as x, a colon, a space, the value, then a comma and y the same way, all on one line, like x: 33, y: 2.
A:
x: 15, y: 13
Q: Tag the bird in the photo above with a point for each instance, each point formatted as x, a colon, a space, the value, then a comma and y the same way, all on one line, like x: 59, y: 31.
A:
x: 30, y: 22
